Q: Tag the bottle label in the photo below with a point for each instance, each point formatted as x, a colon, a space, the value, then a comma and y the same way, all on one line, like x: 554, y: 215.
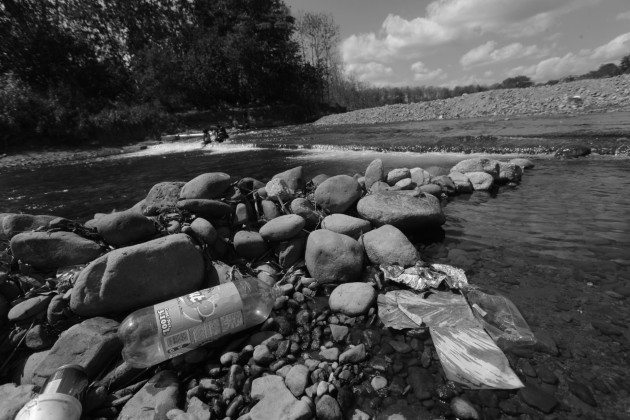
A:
x: 194, y: 319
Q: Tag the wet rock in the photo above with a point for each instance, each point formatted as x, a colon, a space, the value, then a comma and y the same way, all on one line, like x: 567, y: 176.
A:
x: 388, y: 245
x: 537, y: 398
x: 291, y: 251
x: 419, y: 176
x: 327, y: 408
x: 489, y: 166
x: 401, y: 210
x: 354, y: 354
x: 249, y: 245
x: 55, y: 249
x: 294, y: 178
x: 461, y: 182
x: 204, y: 230
x: 523, y: 163
x: 374, y: 173
x: 29, y: 308
x: 125, y: 227
x: 282, y: 228
x: 481, y: 181
x: 13, y: 398
x: 445, y: 183
x: 139, y: 275
x: 206, y: 208
x: 276, y: 401
x: 91, y: 344
x: 582, y: 392
x: 162, y: 198
x: 463, y: 409
x: 303, y: 207
x: 509, y: 172
x: 12, y: 224
x: 396, y: 175
x: 332, y: 257
x: 346, y: 225
x: 156, y: 398
x: 433, y: 189
x: 338, y: 193
x: 206, y: 186
x: 297, y: 379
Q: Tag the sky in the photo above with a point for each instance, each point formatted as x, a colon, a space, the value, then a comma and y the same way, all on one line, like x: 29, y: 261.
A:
x: 461, y: 42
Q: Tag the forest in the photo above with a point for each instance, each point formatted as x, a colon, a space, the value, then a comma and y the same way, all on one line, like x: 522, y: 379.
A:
x: 72, y: 71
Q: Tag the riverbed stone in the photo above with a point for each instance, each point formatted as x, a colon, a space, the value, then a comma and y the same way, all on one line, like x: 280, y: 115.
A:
x: 125, y: 227
x: 204, y: 230
x: 535, y: 397
x: 13, y: 398
x: 162, y: 197
x: 379, y: 186
x: 571, y: 152
x: 405, y: 211
x: 338, y: 193
x: 297, y: 379
x: 509, y: 172
x: 346, y: 225
x: 206, y: 208
x: 461, y: 182
x: 489, y: 166
x: 375, y: 172
x: 206, y: 186
x: 91, y: 344
x: 249, y: 184
x: 355, y: 354
x: 12, y: 224
x: 276, y: 401
x: 437, y: 170
x: 270, y: 209
x: 481, y: 181
x: 332, y: 257
x: 388, y: 245
x: 132, y: 277
x: 55, y: 249
x: 282, y: 228
x: 294, y: 178
x: 327, y: 408
x: 29, y: 308
x: 38, y: 338
x: 318, y: 179
x: 249, y: 245
x: 446, y: 184
x: 278, y: 189
x: 352, y: 299
x: 397, y: 174
x: 522, y: 162
x: 433, y: 189
x: 303, y: 207
x: 463, y: 409
x: 291, y: 251
x: 419, y: 176
x: 155, y: 399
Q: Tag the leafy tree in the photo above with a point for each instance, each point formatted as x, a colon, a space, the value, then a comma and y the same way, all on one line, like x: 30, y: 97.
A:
x: 517, y: 82
x: 624, y: 66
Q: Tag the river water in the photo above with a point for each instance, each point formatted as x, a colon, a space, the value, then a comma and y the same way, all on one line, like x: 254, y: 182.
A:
x: 558, y: 244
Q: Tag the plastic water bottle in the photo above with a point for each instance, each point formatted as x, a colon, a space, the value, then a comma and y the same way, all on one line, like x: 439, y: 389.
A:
x: 168, y: 329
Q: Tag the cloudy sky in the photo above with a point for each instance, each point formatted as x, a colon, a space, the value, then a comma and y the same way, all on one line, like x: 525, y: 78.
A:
x: 461, y: 42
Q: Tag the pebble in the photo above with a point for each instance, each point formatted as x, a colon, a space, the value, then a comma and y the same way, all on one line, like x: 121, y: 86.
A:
x: 297, y: 379
x: 331, y: 354
x: 378, y: 382
x: 29, y: 308
x: 322, y: 388
x: 537, y: 398
x: 400, y: 346
x: 354, y: 354
x: 463, y: 409
x: 327, y: 408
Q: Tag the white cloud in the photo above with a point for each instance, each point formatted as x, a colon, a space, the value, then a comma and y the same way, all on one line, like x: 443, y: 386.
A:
x: 576, y: 63
x: 623, y: 16
x: 422, y: 74
x: 372, y: 72
x: 488, y: 53
x: 446, y: 21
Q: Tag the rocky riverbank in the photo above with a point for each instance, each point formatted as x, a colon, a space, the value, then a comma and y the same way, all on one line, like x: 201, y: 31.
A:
x: 332, y: 246
x: 578, y: 97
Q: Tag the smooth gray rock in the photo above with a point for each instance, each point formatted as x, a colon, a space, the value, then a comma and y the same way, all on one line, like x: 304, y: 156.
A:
x: 206, y: 186
x: 297, y: 379
x: 125, y: 228
x: 155, y: 399
x: 332, y: 257
x: 294, y: 178
x: 461, y: 182
x: 445, y: 182
x: 481, y: 181
x: 282, y: 228
x: 397, y: 174
x: 388, y: 245
x: 162, y: 198
x: 346, y: 225
x: 206, y: 208
x: 402, y: 210
x: 249, y: 245
x: 132, y: 277
x: 303, y: 207
x: 204, y: 230
x: 12, y: 399
x: 276, y: 401
x: 12, y: 224
x: 509, y: 172
x: 375, y: 172
x: 338, y: 193
x: 489, y: 166
x: 354, y: 354
x: 522, y: 162
x: 29, y: 308
x: 327, y: 408
x: 53, y: 250
x: 352, y: 299
x: 419, y: 176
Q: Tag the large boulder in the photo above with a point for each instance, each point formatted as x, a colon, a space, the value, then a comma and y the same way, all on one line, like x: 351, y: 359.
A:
x: 401, y: 209
x: 346, y: 225
x: 294, y: 178
x: 91, y: 344
x: 156, y: 398
x: 206, y: 186
x: 139, y: 275
x: 125, y: 228
x: 12, y: 224
x: 388, y: 245
x: 332, y: 257
x: 375, y: 172
x: 481, y: 181
x: 509, y: 172
x: 489, y: 166
x: 54, y: 249
x: 282, y: 228
x: 338, y: 193
x: 206, y: 208
x: 162, y: 197
x: 461, y: 182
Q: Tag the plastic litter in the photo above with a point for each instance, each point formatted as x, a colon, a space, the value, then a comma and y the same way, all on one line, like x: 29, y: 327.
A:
x: 423, y: 276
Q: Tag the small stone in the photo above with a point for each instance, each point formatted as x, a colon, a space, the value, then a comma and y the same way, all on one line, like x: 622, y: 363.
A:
x: 198, y: 408
x: 322, y: 388
x: 354, y: 354
x: 400, y: 346
x: 327, y: 408
x: 378, y: 382
x: 463, y: 409
x: 297, y: 379
x: 262, y: 355
x: 338, y: 332
x: 352, y: 299
x: 331, y: 354
x: 537, y: 398
x: 582, y: 392
x: 29, y: 308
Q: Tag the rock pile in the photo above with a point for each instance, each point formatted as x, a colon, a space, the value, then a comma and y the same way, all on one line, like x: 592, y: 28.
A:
x: 65, y: 286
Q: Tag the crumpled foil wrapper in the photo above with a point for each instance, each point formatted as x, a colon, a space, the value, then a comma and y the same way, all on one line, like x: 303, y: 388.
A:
x: 424, y: 276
